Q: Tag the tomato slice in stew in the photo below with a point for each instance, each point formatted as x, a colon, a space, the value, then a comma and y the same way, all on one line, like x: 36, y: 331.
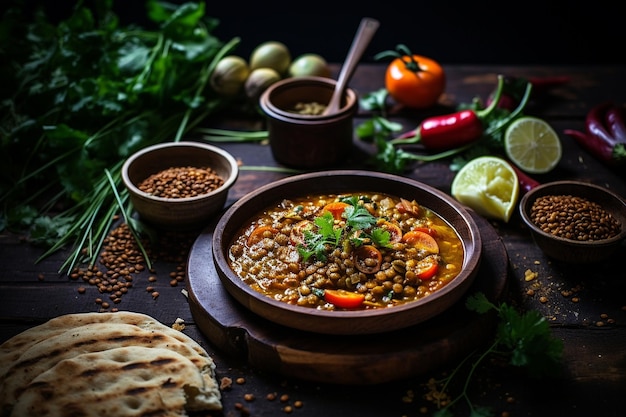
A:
x: 368, y: 259
x: 427, y: 267
x: 427, y: 230
x: 421, y: 241
x: 336, y: 209
x: 395, y: 233
x: 343, y: 298
x: 259, y: 233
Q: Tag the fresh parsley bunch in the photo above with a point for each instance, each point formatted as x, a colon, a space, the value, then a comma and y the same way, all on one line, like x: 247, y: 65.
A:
x: 82, y: 94
x: 523, y: 339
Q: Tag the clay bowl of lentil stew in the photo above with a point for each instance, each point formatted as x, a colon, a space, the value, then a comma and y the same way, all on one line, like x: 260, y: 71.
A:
x: 347, y: 252
x: 574, y: 221
x: 179, y: 186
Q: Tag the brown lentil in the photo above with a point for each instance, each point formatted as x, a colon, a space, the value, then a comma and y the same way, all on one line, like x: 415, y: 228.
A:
x: 182, y: 182
x: 574, y: 218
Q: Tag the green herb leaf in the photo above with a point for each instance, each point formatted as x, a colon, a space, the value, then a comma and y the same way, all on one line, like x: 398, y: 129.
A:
x: 522, y: 337
x: 381, y: 237
x: 357, y: 217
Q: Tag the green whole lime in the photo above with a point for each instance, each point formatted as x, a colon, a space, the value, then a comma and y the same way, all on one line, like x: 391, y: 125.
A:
x: 229, y: 75
x: 258, y: 81
x: 309, y: 64
x: 271, y: 54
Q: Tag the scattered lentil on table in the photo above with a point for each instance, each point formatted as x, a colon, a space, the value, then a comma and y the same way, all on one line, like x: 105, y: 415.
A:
x: 182, y: 182
x: 574, y: 218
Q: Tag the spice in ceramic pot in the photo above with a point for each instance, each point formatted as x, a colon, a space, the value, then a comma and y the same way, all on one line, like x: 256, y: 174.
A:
x: 312, y: 109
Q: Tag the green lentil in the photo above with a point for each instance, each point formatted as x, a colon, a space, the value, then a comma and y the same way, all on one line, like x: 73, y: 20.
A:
x: 574, y: 218
x: 181, y: 182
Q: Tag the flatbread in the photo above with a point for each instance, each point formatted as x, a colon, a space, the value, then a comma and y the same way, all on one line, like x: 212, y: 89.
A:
x: 33, y: 352
x: 11, y: 349
x: 125, y: 381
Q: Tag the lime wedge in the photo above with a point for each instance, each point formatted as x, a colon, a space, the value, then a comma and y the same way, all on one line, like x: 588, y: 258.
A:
x: 533, y: 145
x: 489, y: 186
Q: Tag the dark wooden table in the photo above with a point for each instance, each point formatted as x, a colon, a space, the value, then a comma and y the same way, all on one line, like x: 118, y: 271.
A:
x: 585, y: 305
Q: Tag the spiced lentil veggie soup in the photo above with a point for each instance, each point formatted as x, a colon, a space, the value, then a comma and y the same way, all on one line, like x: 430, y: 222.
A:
x: 353, y: 250
x: 342, y: 320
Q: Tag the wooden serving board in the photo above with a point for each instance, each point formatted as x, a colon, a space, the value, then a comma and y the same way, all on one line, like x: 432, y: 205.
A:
x: 361, y: 359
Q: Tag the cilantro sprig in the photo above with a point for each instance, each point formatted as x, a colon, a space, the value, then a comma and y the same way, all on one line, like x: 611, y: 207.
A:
x: 328, y: 235
x: 522, y: 338
x: 81, y: 95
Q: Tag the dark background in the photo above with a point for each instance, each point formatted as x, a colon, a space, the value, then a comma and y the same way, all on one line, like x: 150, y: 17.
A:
x: 468, y: 32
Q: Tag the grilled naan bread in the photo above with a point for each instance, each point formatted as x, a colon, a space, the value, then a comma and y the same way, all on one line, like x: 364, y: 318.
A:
x: 121, y: 382
x: 13, y: 348
x: 40, y: 349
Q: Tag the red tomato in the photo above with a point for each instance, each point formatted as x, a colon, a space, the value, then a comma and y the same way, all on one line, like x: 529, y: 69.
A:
x: 427, y: 268
x: 368, y: 259
x: 413, y: 80
x: 343, y: 298
x: 395, y: 233
x: 421, y: 240
x: 426, y: 230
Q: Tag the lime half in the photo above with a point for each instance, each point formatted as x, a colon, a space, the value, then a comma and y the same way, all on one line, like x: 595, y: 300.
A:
x: 533, y: 145
x: 489, y: 186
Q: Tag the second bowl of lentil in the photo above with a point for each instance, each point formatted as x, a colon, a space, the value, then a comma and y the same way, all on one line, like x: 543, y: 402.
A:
x: 179, y: 185
x: 574, y: 221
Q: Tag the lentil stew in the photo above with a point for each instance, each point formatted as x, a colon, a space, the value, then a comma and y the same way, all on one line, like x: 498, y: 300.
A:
x: 346, y: 251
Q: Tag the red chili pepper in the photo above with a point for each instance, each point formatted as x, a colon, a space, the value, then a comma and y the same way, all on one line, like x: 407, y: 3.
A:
x: 602, y: 147
x: 594, y: 122
x: 459, y: 129
x: 543, y: 84
x: 451, y: 130
x: 525, y: 182
x: 614, y: 118
x: 600, y: 141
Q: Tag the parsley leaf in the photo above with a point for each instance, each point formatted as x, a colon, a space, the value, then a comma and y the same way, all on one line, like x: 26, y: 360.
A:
x: 357, y: 217
x: 381, y: 237
x: 522, y: 337
x: 315, y: 242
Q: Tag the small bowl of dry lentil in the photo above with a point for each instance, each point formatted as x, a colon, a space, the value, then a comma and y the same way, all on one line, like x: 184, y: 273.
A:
x: 575, y: 221
x: 179, y: 185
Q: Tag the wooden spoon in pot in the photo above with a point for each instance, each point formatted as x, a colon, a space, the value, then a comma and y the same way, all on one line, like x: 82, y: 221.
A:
x: 364, y: 35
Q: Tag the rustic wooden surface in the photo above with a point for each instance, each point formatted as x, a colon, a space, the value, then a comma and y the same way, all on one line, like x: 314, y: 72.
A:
x: 358, y: 360
x: 585, y: 305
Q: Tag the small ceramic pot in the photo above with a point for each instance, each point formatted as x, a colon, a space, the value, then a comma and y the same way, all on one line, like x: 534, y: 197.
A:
x: 306, y: 140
